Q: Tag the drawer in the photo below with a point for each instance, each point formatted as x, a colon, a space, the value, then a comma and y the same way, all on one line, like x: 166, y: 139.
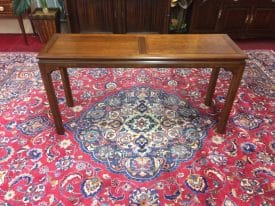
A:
x: 5, y: 8
x: 243, y: 2
x: 5, y: 1
x: 252, y: 2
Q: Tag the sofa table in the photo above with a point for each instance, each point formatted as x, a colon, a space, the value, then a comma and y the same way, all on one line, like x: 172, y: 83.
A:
x: 141, y: 51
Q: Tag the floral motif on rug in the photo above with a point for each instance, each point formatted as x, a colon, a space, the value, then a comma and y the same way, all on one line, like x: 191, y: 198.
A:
x: 261, y: 81
x: 34, y: 126
x: 136, y: 137
x: 142, y: 132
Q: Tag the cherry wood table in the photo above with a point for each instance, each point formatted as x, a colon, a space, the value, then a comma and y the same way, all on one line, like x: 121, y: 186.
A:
x: 141, y: 51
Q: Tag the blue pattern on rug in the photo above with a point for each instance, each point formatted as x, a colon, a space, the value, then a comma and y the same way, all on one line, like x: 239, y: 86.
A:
x: 142, y: 132
x: 34, y: 125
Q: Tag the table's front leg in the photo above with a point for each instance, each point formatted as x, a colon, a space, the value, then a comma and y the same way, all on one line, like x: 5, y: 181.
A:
x: 47, y: 80
x: 211, y: 86
x: 231, y: 94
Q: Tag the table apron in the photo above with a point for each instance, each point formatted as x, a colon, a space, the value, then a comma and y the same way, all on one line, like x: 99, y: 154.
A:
x: 140, y: 64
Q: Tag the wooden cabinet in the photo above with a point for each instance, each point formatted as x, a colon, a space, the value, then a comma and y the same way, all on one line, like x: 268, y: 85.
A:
x: 262, y: 20
x: 5, y: 8
x: 118, y: 16
x: 147, y: 16
x: 238, y: 18
x: 88, y: 16
x: 204, y: 16
x: 234, y: 17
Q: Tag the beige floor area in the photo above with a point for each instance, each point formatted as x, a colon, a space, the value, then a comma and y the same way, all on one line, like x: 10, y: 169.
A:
x: 10, y: 26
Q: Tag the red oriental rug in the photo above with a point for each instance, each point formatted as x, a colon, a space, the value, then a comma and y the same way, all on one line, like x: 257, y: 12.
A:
x: 136, y: 137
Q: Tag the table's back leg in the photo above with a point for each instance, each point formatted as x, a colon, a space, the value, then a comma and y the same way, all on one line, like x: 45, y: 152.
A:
x: 211, y: 86
x: 232, y: 91
x: 67, y: 87
x: 47, y: 80
x: 21, y: 24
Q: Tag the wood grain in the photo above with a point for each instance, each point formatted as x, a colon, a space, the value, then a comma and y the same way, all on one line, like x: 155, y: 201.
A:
x: 101, y: 50
x: 166, y: 47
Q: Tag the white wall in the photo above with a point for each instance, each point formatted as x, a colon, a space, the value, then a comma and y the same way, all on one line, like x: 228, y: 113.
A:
x: 10, y: 26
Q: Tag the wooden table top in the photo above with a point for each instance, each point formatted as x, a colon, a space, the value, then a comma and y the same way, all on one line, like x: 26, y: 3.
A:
x: 141, y: 47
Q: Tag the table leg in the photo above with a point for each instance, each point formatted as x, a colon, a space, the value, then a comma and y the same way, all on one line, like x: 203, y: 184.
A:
x: 21, y: 24
x: 66, y: 85
x: 232, y: 91
x: 211, y: 86
x: 47, y: 80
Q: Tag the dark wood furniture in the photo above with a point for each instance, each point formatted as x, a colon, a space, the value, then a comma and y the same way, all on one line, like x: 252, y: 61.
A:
x: 204, y: 16
x: 45, y: 25
x: 6, y: 12
x: 114, y: 50
x: 238, y: 18
x: 118, y: 16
